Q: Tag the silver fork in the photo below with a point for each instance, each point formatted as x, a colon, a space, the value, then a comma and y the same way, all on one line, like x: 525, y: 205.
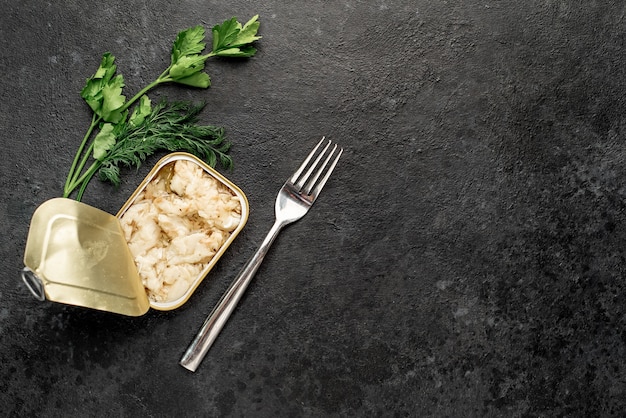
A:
x: 294, y: 200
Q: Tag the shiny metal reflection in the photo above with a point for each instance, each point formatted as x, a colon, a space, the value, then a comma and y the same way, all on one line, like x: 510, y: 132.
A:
x: 33, y: 283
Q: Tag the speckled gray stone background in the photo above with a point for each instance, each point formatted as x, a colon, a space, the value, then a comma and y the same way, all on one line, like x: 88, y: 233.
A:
x: 467, y: 257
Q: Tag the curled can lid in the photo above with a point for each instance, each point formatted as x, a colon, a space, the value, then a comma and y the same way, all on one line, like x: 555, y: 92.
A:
x: 80, y: 256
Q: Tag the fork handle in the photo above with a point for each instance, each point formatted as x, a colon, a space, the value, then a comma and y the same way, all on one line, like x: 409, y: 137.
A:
x: 227, y: 304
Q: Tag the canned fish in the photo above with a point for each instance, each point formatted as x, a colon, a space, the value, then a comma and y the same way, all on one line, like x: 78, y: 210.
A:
x: 154, y: 253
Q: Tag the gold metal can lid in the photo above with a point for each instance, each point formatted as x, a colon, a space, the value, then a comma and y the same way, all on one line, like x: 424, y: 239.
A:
x: 80, y: 256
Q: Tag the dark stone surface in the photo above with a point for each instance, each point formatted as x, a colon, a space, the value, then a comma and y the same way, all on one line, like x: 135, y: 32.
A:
x: 466, y: 259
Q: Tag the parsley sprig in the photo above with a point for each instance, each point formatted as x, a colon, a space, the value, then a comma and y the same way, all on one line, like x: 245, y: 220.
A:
x: 117, y: 136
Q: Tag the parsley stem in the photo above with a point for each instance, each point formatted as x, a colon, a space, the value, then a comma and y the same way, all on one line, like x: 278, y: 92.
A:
x: 163, y: 78
x: 86, y: 156
x: 141, y: 93
x: 86, y: 178
x: 67, y: 189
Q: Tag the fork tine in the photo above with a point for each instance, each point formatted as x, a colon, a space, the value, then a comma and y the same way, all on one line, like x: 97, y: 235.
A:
x: 318, y: 188
x: 298, y: 172
x: 312, y: 181
x: 313, y: 166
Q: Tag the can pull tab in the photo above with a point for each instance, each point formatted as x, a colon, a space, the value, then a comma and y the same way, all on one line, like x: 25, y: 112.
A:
x: 34, y: 283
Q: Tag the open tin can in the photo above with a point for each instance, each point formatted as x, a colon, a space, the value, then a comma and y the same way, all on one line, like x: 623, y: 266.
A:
x: 153, y: 254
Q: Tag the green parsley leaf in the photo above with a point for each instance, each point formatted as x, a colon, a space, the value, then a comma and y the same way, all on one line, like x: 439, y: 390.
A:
x: 112, y: 100
x: 241, y: 52
x: 247, y: 34
x: 103, y: 91
x: 142, y: 110
x: 225, y: 33
x: 107, y: 67
x: 188, y: 42
x: 92, y: 92
x: 201, y: 80
x: 231, y: 39
x: 187, y: 65
x: 104, y: 141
